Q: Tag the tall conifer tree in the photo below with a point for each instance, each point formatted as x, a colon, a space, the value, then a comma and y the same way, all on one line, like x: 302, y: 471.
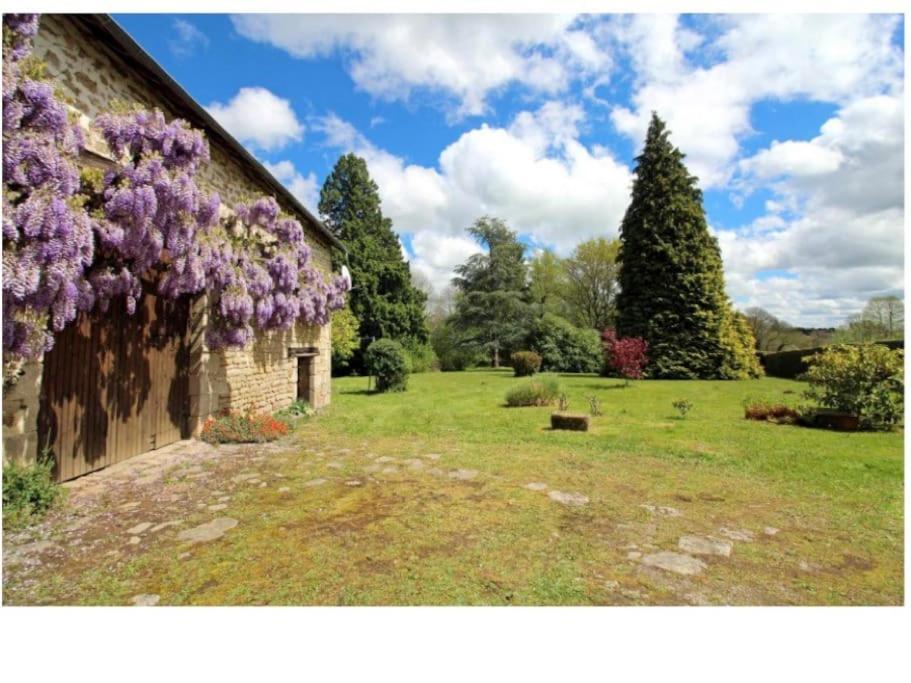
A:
x: 671, y: 275
x: 383, y: 299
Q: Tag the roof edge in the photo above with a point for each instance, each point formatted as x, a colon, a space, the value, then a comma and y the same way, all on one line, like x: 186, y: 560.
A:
x: 131, y: 49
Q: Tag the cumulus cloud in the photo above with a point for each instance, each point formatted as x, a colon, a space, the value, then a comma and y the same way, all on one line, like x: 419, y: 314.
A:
x: 464, y: 56
x: 534, y: 173
x: 836, y: 226
x: 186, y: 38
x: 305, y: 188
x: 706, y: 94
x: 260, y: 118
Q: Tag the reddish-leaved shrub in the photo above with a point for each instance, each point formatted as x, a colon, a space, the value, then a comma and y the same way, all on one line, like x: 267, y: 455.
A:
x: 627, y: 357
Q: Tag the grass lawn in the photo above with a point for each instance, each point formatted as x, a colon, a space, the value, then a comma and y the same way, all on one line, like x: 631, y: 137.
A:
x: 816, y: 516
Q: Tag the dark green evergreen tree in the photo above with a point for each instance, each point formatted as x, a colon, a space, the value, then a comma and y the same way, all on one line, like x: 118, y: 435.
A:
x: 671, y: 275
x: 493, y: 312
x: 383, y: 299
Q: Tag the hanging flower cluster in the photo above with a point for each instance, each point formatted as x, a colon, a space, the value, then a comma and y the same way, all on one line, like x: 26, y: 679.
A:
x: 150, y: 208
x: 71, y: 245
x: 47, y: 234
x: 260, y: 275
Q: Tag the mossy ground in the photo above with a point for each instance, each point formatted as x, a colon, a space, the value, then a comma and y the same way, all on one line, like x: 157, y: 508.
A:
x: 409, y: 533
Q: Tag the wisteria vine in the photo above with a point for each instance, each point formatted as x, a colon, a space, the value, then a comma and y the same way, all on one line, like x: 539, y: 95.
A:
x: 47, y: 234
x: 72, y: 244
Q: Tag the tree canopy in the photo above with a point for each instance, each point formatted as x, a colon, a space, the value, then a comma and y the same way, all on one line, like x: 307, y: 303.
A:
x: 492, y: 309
x: 384, y: 298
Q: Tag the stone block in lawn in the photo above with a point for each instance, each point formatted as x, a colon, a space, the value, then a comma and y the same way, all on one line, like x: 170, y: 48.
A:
x: 578, y: 423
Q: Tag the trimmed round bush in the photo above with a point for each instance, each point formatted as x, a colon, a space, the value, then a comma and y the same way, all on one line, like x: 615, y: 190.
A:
x: 525, y: 363
x: 387, y: 360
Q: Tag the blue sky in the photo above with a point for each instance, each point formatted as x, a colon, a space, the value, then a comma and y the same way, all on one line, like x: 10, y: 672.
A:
x: 794, y: 126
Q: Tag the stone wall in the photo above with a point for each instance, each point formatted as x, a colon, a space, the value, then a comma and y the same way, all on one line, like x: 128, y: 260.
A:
x: 91, y: 76
x: 20, y: 416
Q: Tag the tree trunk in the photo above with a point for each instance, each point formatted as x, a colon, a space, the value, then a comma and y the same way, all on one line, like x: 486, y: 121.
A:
x: 496, y: 357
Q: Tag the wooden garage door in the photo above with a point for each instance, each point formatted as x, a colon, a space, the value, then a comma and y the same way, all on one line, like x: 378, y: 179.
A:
x: 115, y: 385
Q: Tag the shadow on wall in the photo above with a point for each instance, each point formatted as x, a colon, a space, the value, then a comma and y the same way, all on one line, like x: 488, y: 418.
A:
x: 115, y: 385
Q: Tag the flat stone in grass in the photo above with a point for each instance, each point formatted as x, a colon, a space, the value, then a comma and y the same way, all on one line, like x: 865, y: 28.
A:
x: 571, y: 499
x: 744, y: 535
x: 164, y: 525
x: 415, y: 463
x: 315, y: 482
x: 674, y: 562
x: 770, y: 531
x: 536, y: 486
x: 372, y: 468
x: 662, y: 510
x: 335, y: 465
x: 463, y: 475
x: 433, y: 456
x: 284, y: 489
x: 700, y: 545
x: 384, y: 459
x: 139, y: 528
x: 571, y: 421
x: 146, y: 600
x: 354, y: 482
x: 216, y: 508
x: 244, y: 476
x: 208, y: 531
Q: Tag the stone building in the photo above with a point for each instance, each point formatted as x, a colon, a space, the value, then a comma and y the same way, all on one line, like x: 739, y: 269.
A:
x: 115, y: 386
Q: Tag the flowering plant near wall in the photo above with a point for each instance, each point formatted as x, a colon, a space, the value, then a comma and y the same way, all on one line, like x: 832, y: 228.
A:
x: 47, y: 233
x: 74, y: 241
x: 260, y: 274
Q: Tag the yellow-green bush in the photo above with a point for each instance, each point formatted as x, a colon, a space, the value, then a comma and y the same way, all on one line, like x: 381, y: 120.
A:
x: 866, y: 380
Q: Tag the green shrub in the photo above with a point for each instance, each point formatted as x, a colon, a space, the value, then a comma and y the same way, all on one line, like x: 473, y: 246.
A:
x: 421, y: 358
x: 386, y: 360
x: 563, y: 347
x: 538, y: 392
x: 345, y: 339
x: 300, y: 408
x: 866, y: 380
x: 452, y: 355
x: 682, y: 406
x: 788, y: 364
x: 525, y: 363
x: 28, y: 490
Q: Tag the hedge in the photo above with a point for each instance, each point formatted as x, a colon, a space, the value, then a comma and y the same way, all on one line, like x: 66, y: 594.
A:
x: 792, y: 364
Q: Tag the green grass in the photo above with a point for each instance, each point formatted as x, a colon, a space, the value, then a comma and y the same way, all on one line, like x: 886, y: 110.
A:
x: 411, y: 537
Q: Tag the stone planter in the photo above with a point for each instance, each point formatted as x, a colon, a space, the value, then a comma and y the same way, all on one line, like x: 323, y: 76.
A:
x: 574, y: 422
x: 833, y: 419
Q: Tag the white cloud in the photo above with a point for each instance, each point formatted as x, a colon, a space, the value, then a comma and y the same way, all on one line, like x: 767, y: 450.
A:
x: 534, y: 173
x: 465, y: 56
x: 845, y: 245
x: 260, y: 118
x: 832, y: 58
x: 186, y: 38
x: 305, y: 188
x: 795, y: 158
